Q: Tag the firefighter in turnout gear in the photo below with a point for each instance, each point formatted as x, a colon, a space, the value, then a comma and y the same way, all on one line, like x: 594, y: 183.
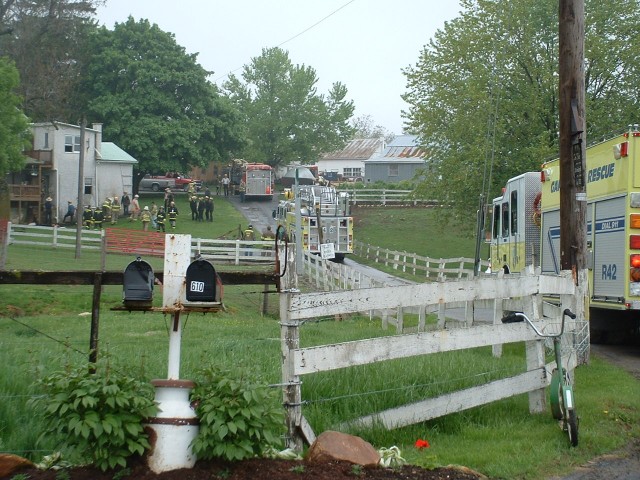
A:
x: 145, y: 216
x: 98, y: 218
x: 249, y: 234
x: 106, y: 210
x: 173, y: 213
x: 160, y: 219
x: 86, y: 217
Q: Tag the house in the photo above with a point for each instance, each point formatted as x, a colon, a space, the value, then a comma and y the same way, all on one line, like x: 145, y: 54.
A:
x: 348, y: 163
x: 402, y: 158
x: 52, y: 169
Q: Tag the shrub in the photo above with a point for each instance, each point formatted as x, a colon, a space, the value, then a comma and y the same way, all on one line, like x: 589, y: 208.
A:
x: 239, y: 418
x: 98, y: 415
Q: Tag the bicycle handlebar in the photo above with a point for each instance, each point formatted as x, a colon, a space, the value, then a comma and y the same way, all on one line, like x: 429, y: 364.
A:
x: 519, y: 317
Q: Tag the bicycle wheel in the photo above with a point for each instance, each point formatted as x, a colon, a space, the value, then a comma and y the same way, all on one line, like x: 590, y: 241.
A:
x: 572, y: 428
x: 555, y: 395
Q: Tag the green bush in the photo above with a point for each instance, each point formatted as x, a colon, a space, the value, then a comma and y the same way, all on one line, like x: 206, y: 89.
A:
x: 99, y: 415
x: 239, y: 418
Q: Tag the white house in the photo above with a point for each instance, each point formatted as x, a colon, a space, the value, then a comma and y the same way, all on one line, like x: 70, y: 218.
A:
x: 53, y: 170
x: 348, y: 163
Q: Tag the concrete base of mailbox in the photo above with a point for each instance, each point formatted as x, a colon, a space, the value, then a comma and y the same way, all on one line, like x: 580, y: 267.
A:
x: 175, y: 427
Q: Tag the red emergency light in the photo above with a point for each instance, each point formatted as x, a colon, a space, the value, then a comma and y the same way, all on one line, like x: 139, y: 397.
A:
x: 624, y: 149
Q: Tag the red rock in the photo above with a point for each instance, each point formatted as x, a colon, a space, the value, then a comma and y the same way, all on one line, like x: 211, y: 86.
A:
x: 340, y: 446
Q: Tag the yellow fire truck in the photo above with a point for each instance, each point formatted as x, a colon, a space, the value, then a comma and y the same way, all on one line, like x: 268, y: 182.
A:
x: 526, y: 229
x: 324, y: 217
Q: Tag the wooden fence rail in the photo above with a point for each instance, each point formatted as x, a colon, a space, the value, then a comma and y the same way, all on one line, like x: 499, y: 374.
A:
x: 296, y: 308
x: 383, y: 197
x: 438, y: 269
x: 138, y: 242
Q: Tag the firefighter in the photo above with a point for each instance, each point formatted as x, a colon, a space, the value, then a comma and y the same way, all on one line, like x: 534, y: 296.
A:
x: 208, y: 206
x: 98, y: 218
x: 173, y: 213
x: 249, y: 234
x: 160, y: 218
x: 193, y: 204
x: 106, y: 210
x: 267, y: 235
x: 86, y: 217
x: 145, y: 216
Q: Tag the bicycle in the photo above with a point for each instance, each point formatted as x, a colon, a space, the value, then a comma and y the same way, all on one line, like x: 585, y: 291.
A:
x: 561, y: 394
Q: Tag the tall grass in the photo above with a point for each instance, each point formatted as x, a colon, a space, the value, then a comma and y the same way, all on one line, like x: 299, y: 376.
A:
x: 502, y: 440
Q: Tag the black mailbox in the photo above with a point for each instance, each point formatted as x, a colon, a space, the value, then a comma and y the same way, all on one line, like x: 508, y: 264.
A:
x: 203, y: 283
x: 138, y: 284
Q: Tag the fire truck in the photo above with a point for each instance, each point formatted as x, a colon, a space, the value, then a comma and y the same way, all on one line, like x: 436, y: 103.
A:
x: 324, y: 218
x: 526, y: 229
x: 258, y: 180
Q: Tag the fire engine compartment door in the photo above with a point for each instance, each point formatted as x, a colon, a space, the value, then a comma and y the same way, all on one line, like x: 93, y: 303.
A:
x: 258, y: 182
x: 609, y: 249
x: 550, y: 261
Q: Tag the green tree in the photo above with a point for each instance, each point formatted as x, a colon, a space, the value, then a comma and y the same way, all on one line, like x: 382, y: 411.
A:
x: 483, y: 95
x: 155, y: 100
x: 14, y: 138
x: 45, y: 38
x: 287, y: 120
x: 364, y: 128
x: 14, y: 125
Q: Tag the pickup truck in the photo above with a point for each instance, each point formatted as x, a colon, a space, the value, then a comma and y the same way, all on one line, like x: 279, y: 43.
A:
x: 174, y: 181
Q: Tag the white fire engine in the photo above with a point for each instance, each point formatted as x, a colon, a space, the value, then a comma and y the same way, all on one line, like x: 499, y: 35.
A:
x: 324, y: 217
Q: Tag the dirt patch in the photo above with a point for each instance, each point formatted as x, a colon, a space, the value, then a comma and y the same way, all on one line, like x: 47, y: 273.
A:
x: 263, y: 468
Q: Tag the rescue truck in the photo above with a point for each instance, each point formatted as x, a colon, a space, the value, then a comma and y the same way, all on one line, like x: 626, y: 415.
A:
x: 526, y: 229
x: 258, y: 180
x: 324, y: 217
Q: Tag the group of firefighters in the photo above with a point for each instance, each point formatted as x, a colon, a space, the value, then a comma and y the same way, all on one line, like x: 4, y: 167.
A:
x: 94, y: 218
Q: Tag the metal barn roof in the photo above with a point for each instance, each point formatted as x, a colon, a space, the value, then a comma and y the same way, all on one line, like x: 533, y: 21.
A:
x: 358, y: 149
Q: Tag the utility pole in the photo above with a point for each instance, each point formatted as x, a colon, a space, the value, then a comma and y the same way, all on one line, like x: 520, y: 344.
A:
x: 79, y: 205
x: 573, y: 191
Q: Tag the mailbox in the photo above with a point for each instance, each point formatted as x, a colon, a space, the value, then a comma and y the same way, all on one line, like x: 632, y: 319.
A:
x: 203, y: 283
x: 138, y: 284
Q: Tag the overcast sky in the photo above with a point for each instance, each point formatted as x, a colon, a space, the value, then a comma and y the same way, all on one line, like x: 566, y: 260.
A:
x: 362, y: 43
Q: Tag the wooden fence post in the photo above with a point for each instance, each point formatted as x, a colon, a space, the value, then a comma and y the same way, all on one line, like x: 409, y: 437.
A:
x: 291, y: 392
x: 535, y: 358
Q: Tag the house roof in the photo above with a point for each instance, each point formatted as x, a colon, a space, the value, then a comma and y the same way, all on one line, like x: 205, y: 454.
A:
x: 110, y: 152
x: 357, y: 149
x: 56, y: 125
x: 402, y: 149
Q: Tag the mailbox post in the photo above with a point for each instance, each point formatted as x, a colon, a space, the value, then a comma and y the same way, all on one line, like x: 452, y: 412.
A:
x: 177, y: 426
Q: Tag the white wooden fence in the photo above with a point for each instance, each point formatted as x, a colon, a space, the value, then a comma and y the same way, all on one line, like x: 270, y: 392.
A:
x: 296, y: 308
x: 425, y: 267
x: 383, y: 197
x: 235, y: 251
x: 218, y: 251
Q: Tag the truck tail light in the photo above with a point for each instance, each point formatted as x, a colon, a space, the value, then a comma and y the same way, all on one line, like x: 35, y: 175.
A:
x: 634, y: 242
x: 634, y: 220
x: 634, y: 272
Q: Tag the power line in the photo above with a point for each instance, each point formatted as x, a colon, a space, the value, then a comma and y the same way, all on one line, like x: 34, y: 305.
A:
x: 295, y: 36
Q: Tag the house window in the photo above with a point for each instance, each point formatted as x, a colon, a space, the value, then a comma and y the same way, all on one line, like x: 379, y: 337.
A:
x: 393, y: 170
x: 88, y: 186
x: 46, y: 140
x: 352, y: 172
x: 71, y: 143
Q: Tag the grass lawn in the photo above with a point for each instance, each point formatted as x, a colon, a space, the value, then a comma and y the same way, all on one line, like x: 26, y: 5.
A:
x: 44, y: 328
